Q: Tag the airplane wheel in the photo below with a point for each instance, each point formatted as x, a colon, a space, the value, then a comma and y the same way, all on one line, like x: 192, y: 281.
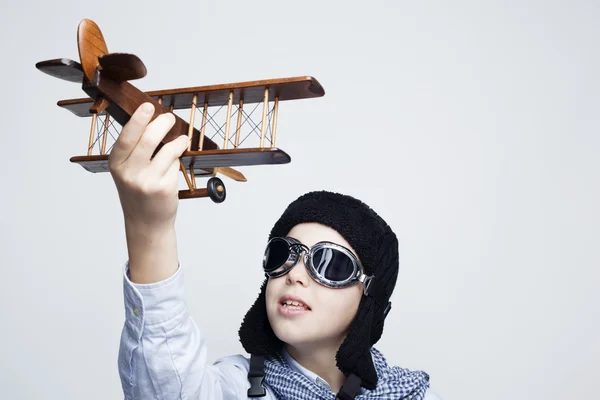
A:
x: 216, y: 190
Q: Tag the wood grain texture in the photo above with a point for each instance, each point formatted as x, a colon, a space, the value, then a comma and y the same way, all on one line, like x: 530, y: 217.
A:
x: 295, y: 88
x: 122, y: 67
x: 188, y: 194
x: 91, y: 45
x: 203, y: 161
x: 231, y: 173
x: 99, y: 106
x: 235, y: 157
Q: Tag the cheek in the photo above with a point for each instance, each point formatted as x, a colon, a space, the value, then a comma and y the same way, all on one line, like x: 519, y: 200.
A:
x: 270, y: 294
x: 339, y: 306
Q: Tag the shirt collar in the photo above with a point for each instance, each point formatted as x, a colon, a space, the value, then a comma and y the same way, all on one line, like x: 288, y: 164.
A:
x: 314, y: 378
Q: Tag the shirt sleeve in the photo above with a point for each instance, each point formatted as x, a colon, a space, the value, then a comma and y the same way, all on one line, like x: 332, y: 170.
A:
x: 162, y: 353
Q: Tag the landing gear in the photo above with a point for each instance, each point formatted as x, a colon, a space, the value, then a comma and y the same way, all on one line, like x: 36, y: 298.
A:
x: 216, y: 190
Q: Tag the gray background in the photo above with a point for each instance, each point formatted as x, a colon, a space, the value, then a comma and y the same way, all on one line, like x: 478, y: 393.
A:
x: 471, y: 126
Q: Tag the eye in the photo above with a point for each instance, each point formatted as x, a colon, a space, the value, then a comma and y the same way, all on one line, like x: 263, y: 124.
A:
x: 297, y: 248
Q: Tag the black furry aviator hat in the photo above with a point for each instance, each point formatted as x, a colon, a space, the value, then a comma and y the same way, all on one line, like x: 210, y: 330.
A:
x: 377, y: 248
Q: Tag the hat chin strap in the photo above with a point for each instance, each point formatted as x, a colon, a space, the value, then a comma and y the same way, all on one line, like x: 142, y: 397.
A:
x: 350, y: 388
x: 256, y: 376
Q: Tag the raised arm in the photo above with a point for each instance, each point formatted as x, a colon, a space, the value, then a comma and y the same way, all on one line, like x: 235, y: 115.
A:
x: 162, y: 354
x: 148, y: 193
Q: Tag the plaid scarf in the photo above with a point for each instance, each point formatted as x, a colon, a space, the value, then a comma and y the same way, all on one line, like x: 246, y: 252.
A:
x: 394, y: 383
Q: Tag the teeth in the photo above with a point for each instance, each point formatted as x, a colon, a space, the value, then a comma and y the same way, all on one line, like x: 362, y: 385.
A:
x: 293, y: 303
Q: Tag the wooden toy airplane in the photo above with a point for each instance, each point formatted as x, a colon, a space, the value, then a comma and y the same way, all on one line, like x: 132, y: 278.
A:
x: 104, y: 77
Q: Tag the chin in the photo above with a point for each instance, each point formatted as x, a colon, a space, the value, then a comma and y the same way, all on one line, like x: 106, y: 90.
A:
x: 290, y: 331
x: 293, y: 339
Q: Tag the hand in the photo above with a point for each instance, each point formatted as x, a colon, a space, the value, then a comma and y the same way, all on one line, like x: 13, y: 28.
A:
x: 148, y: 189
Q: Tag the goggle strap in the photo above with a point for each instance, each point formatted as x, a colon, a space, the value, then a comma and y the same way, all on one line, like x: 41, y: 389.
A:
x: 385, y: 312
x: 373, y: 290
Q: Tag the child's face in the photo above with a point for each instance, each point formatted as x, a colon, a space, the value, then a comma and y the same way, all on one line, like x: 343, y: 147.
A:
x: 330, y: 312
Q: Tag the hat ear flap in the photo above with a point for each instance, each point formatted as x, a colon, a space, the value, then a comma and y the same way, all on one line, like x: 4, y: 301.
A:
x: 354, y: 355
x: 256, y: 335
x: 386, y: 281
x: 376, y: 330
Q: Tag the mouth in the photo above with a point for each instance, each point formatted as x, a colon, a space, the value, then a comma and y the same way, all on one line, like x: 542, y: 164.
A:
x: 292, y: 305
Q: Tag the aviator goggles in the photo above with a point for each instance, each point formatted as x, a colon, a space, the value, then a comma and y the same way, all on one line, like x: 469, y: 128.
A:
x: 330, y: 264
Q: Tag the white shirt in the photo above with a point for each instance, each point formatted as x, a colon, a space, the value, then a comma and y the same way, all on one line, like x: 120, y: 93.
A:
x: 163, y: 354
x: 308, y: 373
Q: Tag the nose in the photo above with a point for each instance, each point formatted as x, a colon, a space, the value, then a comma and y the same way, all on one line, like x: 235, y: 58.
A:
x: 298, y: 274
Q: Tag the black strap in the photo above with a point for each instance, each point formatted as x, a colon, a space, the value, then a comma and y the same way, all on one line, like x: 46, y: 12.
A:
x: 350, y: 388
x: 256, y: 376
x: 375, y: 291
x: 377, y: 294
x: 385, y: 312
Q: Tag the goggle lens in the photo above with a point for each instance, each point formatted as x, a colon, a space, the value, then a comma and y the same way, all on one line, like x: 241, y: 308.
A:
x: 332, y: 264
x: 277, y: 255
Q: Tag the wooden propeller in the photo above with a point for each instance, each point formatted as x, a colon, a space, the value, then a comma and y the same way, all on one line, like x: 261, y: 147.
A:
x: 91, y: 46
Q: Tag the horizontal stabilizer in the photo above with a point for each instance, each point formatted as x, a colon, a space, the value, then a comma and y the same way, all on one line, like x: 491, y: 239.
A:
x: 121, y: 67
x: 62, y: 68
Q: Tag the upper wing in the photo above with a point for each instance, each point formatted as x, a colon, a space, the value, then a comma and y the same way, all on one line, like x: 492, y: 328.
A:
x: 217, y: 95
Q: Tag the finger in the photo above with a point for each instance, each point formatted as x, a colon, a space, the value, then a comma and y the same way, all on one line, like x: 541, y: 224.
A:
x: 131, y: 133
x: 147, y: 144
x: 170, y: 177
x: 168, y: 154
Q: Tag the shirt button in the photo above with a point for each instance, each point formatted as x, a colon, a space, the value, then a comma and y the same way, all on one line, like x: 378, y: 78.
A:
x: 321, y: 383
x: 136, y: 311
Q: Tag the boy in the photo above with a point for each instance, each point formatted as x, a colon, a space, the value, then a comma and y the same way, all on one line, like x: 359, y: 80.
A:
x: 330, y: 267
